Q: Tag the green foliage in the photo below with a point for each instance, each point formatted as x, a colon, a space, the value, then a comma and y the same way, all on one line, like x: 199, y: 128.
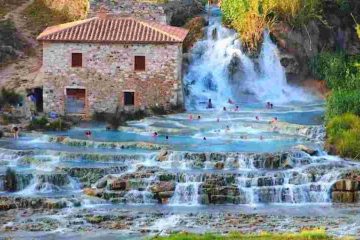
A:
x: 43, y: 124
x: 251, y: 17
x: 344, y: 133
x: 10, y: 41
x: 358, y: 30
x: 9, y: 97
x: 316, y: 234
x: 343, y: 101
x: 339, y: 70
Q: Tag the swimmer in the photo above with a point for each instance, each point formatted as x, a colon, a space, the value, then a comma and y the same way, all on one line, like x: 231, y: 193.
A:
x: 204, y: 138
x: 88, y: 134
x: 257, y: 118
x: 224, y: 108
x: 230, y: 101
x: 155, y: 134
x: 237, y: 108
x: 190, y: 117
x: 199, y: 117
x: 167, y: 137
x: 218, y: 119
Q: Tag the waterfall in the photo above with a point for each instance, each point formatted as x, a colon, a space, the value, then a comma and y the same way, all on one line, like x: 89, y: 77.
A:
x: 220, y: 70
x: 186, y: 191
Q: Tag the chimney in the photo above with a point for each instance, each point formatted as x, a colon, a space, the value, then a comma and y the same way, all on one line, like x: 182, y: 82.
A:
x: 102, y: 13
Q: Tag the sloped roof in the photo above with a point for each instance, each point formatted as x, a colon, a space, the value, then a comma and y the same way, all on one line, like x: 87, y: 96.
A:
x: 114, y: 29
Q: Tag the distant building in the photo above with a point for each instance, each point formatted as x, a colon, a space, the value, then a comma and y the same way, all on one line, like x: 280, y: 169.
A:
x: 97, y: 64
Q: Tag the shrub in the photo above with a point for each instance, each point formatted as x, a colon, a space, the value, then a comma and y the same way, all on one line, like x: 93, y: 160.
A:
x: 9, y: 97
x: 339, y: 70
x: 343, y: 132
x: 343, y: 101
x: 44, y: 124
x: 251, y: 17
x: 11, y: 41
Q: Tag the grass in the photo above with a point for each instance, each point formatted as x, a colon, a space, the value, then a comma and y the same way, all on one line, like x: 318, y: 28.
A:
x: 251, y: 17
x: 344, y: 133
x: 315, y: 234
x: 340, y: 71
x: 343, y: 101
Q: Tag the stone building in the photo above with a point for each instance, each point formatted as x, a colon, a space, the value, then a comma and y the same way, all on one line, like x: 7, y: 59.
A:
x: 100, y: 63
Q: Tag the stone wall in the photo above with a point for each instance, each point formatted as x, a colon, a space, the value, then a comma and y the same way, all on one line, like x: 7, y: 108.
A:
x: 138, y: 9
x: 108, y: 71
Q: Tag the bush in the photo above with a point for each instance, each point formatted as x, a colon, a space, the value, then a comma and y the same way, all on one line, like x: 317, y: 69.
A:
x: 251, y: 17
x: 343, y: 101
x: 9, y: 97
x: 339, y: 70
x: 43, y: 124
x: 11, y: 41
x: 343, y: 132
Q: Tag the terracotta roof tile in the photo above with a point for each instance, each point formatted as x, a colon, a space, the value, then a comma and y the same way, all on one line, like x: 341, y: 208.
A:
x: 114, y: 29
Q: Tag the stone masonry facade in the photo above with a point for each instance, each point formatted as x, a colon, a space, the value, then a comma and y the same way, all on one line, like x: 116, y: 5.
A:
x: 108, y: 72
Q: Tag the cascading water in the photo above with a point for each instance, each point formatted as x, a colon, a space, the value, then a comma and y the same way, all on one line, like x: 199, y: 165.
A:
x: 220, y: 70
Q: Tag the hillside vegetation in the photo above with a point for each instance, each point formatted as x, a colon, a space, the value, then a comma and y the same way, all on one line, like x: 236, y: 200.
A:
x: 342, y: 75
x: 12, y: 44
x: 251, y: 17
x: 44, y: 13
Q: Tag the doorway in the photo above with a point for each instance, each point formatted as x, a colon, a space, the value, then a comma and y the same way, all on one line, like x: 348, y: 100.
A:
x: 38, y: 92
x: 75, y: 100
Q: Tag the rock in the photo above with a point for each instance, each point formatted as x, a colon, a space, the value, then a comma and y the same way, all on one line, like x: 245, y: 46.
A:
x: 166, y: 176
x: 306, y: 149
x: 218, y: 199
x: 102, y: 183
x: 204, y: 199
x: 162, y: 187
x: 346, y: 185
x: 93, y: 192
x: 163, y: 154
x: 343, y: 197
x: 95, y: 219
x: 219, y: 165
x: 167, y: 194
x: 118, y: 185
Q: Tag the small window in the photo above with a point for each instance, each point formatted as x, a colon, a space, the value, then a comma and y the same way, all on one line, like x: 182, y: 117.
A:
x: 76, y: 60
x: 139, y: 63
x: 129, y: 98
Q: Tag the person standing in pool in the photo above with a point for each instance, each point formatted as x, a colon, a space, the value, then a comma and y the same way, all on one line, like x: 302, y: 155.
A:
x: 15, y: 131
x: 209, y: 105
